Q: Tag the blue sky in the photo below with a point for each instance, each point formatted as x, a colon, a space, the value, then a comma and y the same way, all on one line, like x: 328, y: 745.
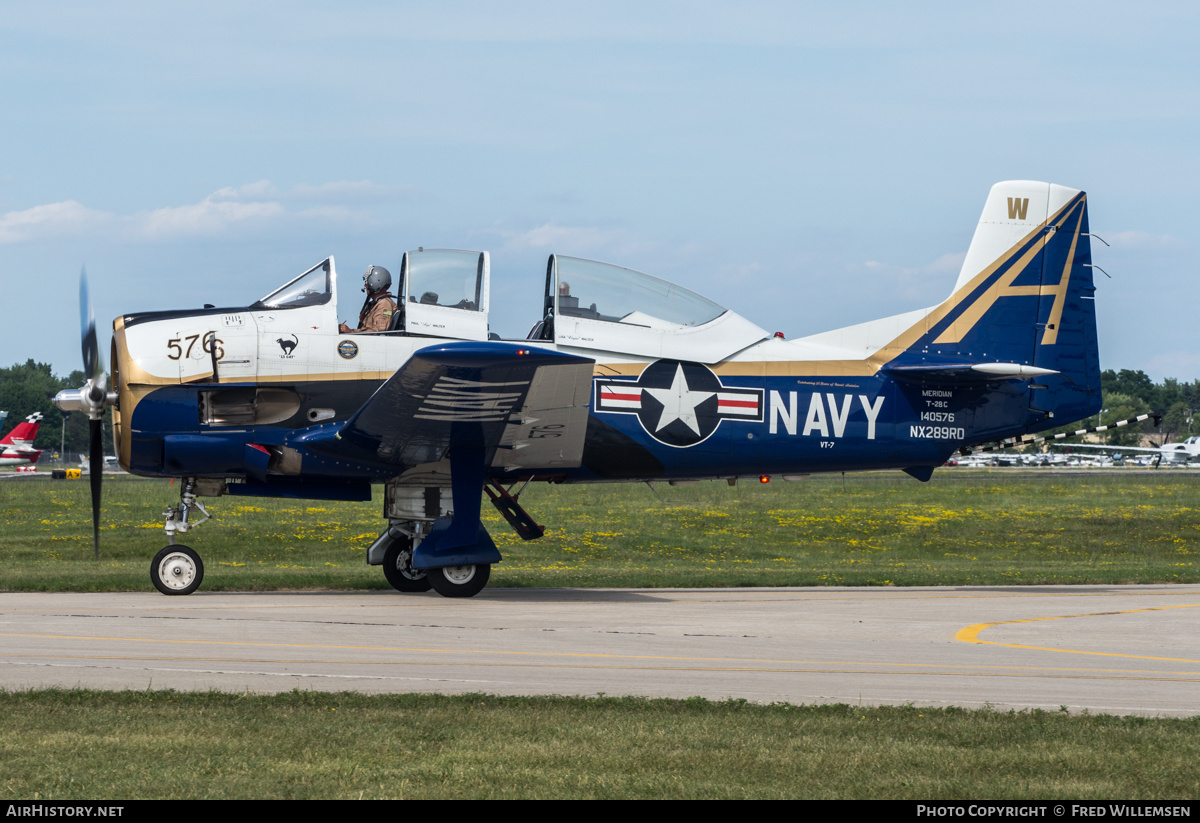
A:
x: 807, y: 165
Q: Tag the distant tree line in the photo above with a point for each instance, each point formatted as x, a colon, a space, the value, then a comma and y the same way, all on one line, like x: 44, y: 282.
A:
x: 1130, y: 393
x: 30, y: 387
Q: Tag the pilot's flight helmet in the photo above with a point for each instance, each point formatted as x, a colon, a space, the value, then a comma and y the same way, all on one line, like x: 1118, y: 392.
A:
x: 376, y: 278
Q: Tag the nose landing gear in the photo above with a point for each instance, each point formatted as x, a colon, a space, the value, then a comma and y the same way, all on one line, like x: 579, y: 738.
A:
x: 179, y: 569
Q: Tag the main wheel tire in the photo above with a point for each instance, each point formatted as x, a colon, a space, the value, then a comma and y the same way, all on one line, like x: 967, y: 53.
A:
x: 397, y: 567
x: 460, y: 581
x: 177, y: 570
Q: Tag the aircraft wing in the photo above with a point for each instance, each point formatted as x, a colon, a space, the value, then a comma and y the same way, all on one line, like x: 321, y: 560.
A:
x: 527, y: 408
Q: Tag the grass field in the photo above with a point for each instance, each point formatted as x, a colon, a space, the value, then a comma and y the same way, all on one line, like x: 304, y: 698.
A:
x: 87, y: 745
x: 963, y: 527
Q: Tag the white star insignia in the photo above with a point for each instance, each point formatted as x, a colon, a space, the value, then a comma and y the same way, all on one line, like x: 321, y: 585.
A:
x: 679, y: 402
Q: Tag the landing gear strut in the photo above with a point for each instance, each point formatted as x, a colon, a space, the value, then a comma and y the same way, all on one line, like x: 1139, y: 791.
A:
x: 435, y: 538
x: 177, y: 516
x: 179, y: 569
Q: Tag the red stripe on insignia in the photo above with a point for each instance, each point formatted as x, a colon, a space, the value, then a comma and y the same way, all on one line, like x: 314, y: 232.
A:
x: 741, y: 404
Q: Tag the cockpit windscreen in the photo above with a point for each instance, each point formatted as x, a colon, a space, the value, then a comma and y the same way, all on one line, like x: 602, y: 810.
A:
x: 446, y: 277
x: 313, y: 288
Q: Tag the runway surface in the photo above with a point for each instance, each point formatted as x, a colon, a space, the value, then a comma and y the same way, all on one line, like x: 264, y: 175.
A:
x: 1104, y: 649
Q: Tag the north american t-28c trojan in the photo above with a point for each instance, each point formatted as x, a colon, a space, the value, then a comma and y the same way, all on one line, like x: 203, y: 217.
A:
x: 624, y: 377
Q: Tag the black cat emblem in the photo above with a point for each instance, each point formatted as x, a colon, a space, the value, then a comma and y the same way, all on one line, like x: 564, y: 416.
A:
x: 288, y: 345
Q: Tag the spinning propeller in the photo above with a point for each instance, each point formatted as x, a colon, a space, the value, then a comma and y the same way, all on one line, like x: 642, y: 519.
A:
x: 92, y: 400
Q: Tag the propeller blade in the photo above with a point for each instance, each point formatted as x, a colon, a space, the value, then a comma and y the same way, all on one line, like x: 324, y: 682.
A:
x: 96, y: 467
x: 87, y: 331
x: 93, y: 367
x: 93, y: 360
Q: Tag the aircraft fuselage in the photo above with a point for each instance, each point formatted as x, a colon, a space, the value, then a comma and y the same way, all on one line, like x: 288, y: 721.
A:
x: 662, y: 419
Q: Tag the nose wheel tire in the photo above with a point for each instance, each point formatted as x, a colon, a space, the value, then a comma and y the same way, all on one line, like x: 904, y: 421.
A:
x: 177, y: 570
x: 460, y: 581
x: 397, y: 568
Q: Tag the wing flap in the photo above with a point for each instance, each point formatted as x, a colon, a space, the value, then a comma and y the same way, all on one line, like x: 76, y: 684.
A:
x: 525, y: 407
x: 548, y: 431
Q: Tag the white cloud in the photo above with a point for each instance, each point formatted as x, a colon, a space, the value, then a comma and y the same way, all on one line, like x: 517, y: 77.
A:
x: 208, y: 217
x: 750, y: 273
x: 261, y: 190
x: 52, y: 219
x: 1142, y: 240
x: 552, y: 236
x: 932, y: 281
x: 348, y: 191
x: 1182, y: 364
x: 575, y: 240
x: 257, y: 203
x: 335, y: 213
x: 950, y: 263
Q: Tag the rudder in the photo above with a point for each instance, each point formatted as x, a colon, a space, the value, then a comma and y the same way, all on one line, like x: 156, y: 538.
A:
x: 1022, y: 309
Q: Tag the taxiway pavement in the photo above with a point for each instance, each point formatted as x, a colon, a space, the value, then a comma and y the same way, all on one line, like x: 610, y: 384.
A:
x: 1104, y: 649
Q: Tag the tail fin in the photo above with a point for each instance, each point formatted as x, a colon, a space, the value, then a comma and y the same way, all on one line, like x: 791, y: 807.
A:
x: 23, y: 432
x: 1022, y: 307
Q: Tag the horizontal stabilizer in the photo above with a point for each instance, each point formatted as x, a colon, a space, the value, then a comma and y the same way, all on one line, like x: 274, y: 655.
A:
x: 1026, y: 440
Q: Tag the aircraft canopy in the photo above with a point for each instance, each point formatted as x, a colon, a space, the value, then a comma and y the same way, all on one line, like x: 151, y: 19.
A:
x: 602, y: 291
x: 313, y: 288
x: 599, y: 306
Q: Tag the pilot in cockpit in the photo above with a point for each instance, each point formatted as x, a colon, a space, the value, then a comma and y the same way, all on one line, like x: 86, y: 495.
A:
x: 565, y: 299
x: 377, y: 310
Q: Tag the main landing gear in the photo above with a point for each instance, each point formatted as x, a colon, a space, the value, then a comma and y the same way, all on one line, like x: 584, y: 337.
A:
x: 397, y: 564
x: 460, y: 581
x: 397, y: 543
x: 435, y: 538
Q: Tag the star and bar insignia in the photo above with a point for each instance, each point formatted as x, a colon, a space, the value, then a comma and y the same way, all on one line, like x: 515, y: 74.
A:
x: 678, y: 403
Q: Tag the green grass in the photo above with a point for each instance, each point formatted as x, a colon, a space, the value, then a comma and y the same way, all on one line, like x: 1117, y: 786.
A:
x: 86, y: 745
x: 962, y: 528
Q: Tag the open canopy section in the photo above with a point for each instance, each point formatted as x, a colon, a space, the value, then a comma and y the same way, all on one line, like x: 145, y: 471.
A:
x: 444, y: 293
x: 313, y: 288
x: 602, y: 291
x: 594, y: 305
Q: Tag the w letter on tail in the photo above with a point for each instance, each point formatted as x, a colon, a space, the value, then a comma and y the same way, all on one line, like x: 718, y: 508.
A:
x: 1017, y: 208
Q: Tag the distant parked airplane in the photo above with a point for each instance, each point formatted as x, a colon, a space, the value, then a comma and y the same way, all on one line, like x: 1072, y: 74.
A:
x: 17, y: 446
x: 1173, y: 454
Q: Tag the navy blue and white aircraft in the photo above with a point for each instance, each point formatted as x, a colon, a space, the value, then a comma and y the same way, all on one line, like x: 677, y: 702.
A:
x: 625, y: 377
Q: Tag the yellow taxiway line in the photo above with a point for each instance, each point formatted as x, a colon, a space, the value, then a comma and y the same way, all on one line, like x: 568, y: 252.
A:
x: 970, y: 634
